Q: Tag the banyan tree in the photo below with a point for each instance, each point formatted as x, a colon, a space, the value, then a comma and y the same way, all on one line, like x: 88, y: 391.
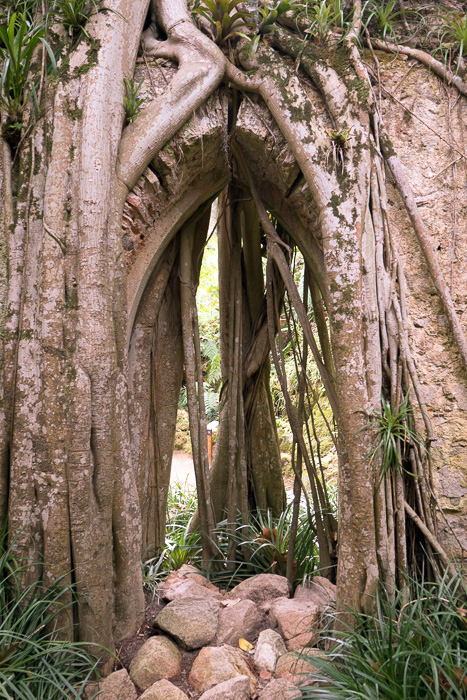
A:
x: 322, y: 139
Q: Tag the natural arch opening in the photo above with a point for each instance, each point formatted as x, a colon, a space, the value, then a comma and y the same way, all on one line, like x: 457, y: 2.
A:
x: 246, y: 472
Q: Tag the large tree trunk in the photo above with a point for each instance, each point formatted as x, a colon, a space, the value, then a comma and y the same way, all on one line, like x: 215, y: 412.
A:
x: 84, y: 472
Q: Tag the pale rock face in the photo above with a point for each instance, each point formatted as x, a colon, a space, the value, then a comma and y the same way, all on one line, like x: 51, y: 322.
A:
x: 242, y: 620
x: 296, y: 668
x: 269, y: 648
x: 233, y: 689
x: 191, y: 621
x: 297, y: 621
x: 117, y: 686
x: 280, y: 689
x: 163, y: 690
x: 182, y: 588
x: 158, y: 658
x: 215, y: 665
x: 261, y: 588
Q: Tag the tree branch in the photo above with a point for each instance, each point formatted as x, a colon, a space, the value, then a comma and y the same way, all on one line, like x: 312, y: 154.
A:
x: 423, y: 57
x: 430, y: 538
x: 201, y: 68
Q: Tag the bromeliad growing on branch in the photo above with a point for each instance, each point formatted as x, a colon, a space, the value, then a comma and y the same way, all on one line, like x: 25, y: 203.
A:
x: 96, y: 337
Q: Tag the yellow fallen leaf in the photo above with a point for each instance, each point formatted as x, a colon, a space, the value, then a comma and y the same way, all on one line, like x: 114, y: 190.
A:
x: 244, y: 645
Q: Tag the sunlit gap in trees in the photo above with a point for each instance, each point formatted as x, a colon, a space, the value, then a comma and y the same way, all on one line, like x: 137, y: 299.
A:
x: 318, y: 428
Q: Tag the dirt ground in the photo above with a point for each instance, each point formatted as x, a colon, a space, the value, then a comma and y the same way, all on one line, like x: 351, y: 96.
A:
x: 182, y: 469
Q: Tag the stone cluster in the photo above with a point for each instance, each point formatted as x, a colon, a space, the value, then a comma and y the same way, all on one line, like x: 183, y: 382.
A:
x: 200, y: 616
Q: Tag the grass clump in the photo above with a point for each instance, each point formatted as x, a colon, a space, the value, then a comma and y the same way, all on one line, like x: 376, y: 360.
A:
x: 35, y: 661
x: 414, y: 650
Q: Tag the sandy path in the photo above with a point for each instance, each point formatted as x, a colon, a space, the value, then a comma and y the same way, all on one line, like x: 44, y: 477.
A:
x: 182, y: 469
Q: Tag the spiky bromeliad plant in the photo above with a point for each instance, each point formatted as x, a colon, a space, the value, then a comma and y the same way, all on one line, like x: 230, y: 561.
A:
x: 132, y: 101
x: 394, y: 432
x: 35, y: 661
x: 414, y: 650
x: 453, y: 36
x: 224, y: 24
x: 74, y: 14
x: 19, y: 39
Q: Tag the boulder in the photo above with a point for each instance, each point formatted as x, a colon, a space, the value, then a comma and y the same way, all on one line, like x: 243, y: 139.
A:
x: 297, y: 620
x: 163, y: 690
x: 261, y: 588
x: 215, y: 665
x: 319, y: 591
x: 234, y: 689
x: 158, y: 658
x: 182, y: 588
x: 280, y: 689
x: 240, y: 620
x: 191, y: 621
x: 296, y: 668
x: 269, y: 648
x: 191, y: 572
x: 117, y: 686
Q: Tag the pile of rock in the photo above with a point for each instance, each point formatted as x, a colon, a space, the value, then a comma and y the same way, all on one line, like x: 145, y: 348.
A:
x: 258, y: 613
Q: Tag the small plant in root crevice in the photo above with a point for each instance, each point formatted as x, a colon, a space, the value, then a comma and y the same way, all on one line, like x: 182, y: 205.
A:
x: 410, y: 650
x: 19, y: 39
x: 340, y: 143
x: 394, y: 433
x: 325, y: 16
x: 133, y: 103
x: 271, y: 12
x: 385, y: 16
x: 74, y: 14
x: 224, y: 24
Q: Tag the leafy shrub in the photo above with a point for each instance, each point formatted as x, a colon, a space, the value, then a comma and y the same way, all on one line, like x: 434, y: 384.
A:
x: 255, y: 553
x: 414, y: 650
x: 385, y: 17
x: 181, y: 545
x: 34, y: 661
x: 218, y: 13
x: 326, y: 15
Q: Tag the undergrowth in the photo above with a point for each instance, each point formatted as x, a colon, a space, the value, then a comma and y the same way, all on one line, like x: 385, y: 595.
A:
x: 415, y: 650
x: 36, y: 662
x: 261, y: 545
